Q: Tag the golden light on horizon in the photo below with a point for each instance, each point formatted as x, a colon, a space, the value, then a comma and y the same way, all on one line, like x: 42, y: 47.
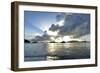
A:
x: 58, y: 39
x: 67, y: 38
x: 61, y: 38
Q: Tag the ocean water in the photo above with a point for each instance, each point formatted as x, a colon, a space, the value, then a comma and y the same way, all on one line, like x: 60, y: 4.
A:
x: 56, y: 51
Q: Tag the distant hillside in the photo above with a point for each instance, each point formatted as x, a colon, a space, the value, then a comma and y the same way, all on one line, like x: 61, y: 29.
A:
x: 26, y: 41
x: 76, y: 41
x: 73, y: 41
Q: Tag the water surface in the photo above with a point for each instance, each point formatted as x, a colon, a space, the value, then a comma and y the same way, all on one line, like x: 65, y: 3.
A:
x: 56, y: 51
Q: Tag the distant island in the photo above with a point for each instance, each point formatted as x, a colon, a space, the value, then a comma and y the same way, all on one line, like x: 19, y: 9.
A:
x: 72, y: 41
x: 63, y: 42
x: 26, y: 41
x: 75, y: 41
x: 52, y: 42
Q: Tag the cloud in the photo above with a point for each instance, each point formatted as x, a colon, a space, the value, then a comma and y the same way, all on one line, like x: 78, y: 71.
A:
x: 44, y: 37
x: 62, y: 16
x: 75, y: 24
x: 82, y: 30
x: 54, y: 27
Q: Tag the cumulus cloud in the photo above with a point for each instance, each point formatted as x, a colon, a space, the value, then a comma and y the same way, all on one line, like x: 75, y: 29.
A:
x: 75, y: 24
x: 54, y: 27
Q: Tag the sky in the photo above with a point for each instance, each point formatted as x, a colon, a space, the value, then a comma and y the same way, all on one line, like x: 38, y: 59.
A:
x: 75, y: 24
x: 37, y: 22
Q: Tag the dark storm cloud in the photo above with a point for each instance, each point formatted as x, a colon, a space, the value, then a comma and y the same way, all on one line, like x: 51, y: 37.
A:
x: 75, y: 24
x: 54, y: 27
x: 82, y: 30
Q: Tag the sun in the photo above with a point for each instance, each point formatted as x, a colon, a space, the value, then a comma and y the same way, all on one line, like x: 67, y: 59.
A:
x: 67, y: 38
x: 52, y: 33
x: 60, y: 39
